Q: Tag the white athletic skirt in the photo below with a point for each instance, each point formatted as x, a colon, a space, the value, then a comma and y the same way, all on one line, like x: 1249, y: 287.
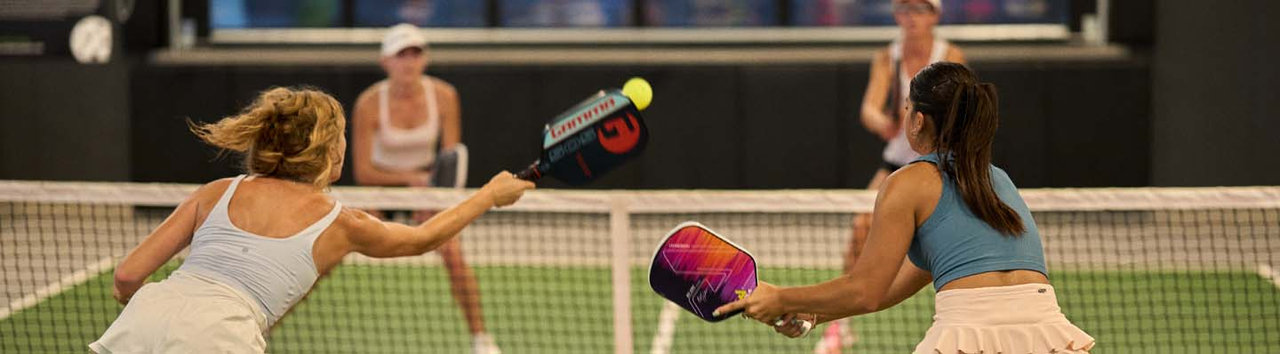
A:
x: 1016, y: 319
x: 186, y: 313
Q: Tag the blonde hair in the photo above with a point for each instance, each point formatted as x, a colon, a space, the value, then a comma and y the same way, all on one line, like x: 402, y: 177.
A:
x: 287, y: 133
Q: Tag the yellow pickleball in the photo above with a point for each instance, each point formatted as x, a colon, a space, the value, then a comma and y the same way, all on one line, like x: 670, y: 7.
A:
x: 638, y: 91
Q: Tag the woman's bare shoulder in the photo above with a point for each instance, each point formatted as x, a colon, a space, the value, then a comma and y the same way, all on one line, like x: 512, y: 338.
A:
x: 369, y: 93
x: 443, y: 88
x: 212, y: 190
x: 881, y: 56
x: 920, y: 178
x: 955, y: 55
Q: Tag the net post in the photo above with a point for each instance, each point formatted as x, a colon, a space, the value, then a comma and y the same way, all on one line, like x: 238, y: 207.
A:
x: 620, y: 244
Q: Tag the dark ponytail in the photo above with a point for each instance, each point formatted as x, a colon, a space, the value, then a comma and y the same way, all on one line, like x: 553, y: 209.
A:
x: 965, y: 115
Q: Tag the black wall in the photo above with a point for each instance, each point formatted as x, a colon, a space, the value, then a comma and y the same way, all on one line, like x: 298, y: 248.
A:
x: 64, y: 121
x: 1195, y: 108
x: 1065, y: 124
x: 1215, y: 93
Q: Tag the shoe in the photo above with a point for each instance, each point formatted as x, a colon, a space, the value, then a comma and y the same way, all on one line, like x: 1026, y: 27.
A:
x: 483, y: 344
x: 831, y: 338
x: 848, y: 336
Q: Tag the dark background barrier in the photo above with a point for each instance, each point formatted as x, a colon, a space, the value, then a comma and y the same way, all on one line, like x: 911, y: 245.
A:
x: 61, y: 120
x: 1215, y: 92
x: 1189, y: 104
x: 741, y: 126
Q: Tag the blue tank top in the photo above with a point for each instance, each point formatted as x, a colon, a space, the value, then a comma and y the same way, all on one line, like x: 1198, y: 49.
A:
x: 954, y: 243
x: 275, y: 272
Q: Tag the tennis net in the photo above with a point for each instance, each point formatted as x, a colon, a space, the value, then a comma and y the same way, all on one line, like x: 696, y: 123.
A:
x: 1142, y: 270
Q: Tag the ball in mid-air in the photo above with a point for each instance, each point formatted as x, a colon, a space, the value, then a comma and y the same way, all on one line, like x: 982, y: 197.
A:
x: 638, y: 91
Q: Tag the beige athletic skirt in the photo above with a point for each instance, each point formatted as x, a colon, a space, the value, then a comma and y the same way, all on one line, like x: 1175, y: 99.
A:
x: 186, y: 313
x: 1016, y: 319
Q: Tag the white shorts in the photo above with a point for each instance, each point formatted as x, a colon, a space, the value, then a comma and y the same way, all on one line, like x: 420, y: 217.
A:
x: 186, y: 313
x: 1004, y: 319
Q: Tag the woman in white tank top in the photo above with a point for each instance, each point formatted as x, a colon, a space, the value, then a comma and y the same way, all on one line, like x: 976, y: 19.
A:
x: 400, y: 122
x: 882, y: 113
x: 258, y: 243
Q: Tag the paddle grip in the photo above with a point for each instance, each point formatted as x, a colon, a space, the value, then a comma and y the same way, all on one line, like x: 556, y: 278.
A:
x: 530, y: 173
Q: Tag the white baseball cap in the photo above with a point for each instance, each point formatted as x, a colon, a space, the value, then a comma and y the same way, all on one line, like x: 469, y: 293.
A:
x: 937, y: 4
x: 402, y: 36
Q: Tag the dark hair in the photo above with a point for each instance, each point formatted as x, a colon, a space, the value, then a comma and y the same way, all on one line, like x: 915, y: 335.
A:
x: 965, y: 116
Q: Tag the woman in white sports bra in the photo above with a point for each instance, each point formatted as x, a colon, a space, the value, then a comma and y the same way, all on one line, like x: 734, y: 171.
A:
x: 399, y: 124
x: 260, y: 241
x: 883, y: 111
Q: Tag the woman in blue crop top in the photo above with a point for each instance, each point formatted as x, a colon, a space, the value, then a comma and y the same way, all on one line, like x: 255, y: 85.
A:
x: 259, y: 242
x: 950, y: 218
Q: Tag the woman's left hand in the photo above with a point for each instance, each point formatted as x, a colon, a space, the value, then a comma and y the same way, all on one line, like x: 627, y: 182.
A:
x: 762, y: 305
x: 794, y: 326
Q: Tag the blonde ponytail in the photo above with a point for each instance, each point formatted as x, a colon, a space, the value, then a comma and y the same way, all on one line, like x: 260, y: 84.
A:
x: 286, y: 133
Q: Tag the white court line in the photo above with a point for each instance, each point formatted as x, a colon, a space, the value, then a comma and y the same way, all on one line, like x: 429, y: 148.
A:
x: 52, y: 289
x: 1269, y: 273
x: 666, y: 328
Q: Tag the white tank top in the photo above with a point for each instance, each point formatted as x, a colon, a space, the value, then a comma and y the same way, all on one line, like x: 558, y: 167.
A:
x: 406, y: 149
x: 275, y: 272
x: 898, y: 150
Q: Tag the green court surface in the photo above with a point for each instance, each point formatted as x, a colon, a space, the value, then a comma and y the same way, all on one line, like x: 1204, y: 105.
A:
x: 407, y: 308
